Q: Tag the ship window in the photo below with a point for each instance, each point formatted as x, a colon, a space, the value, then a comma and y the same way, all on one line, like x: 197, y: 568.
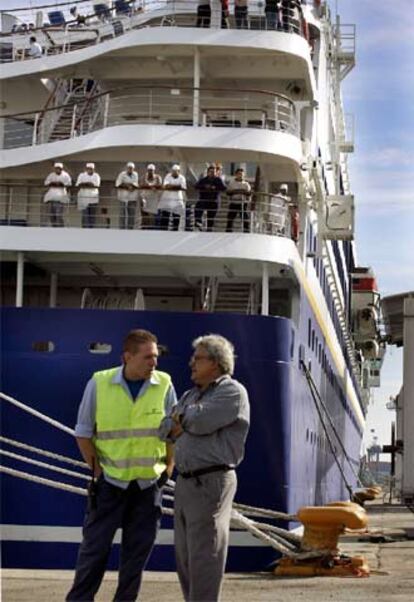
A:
x: 307, y: 434
x: 100, y: 348
x: 313, y: 340
x: 309, y: 332
x: 43, y: 346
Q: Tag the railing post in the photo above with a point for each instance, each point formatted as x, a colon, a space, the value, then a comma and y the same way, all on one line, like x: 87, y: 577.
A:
x: 19, y: 279
x: 72, y: 127
x: 265, y: 289
x: 35, y: 126
x: 106, y: 111
x: 196, y: 88
x: 53, y: 289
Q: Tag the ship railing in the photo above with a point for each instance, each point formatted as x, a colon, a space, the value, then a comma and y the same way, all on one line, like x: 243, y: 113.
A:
x: 210, y: 107
x: 107, y: 20
x: 23, y: 205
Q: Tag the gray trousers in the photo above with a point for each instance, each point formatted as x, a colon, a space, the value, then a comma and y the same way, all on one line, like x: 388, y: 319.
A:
x: 202, y: 511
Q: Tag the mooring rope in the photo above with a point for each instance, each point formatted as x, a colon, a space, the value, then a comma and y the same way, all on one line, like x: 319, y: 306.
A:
x: 71, y: 473
x: 43, y: 452
x: 277, y: 538
x: 56, y: 484
x: 30, y: 410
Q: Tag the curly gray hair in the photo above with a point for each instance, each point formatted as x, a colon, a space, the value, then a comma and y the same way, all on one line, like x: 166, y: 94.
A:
x: 219, y: 349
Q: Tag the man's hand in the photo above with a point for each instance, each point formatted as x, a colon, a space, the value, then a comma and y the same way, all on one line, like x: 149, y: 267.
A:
x: 176, y: 429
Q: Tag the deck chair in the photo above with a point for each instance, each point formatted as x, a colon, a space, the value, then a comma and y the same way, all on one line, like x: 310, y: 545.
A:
x: 56, y: 18
x: 122, y: 7
x: 102, y: 11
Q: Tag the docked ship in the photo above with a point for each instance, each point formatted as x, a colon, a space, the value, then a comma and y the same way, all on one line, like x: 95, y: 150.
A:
x: 154, y: 83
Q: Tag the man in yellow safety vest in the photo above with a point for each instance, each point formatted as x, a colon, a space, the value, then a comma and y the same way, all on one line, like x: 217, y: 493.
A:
x: 116, y: 431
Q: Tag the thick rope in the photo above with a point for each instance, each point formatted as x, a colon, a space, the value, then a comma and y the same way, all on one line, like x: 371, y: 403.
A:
x: 71, y: 473
x: 30, y: 410
x: 253, y: 511
x: 42, y: 481
x: 43, y: 452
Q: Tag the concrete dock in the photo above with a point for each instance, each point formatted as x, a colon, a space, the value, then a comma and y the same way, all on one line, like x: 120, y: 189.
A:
x: 388, y: 547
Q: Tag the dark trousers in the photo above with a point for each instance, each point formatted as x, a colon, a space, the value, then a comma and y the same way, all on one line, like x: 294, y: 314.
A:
x: 138, y: 513
x: 210, y: 207
x: 238, y: 208
x: 240, y: 13
x: 165, y: 220
x: 203, y: 15
x: 89, y: 216
x: 56, y: 214
x: 127, y: 215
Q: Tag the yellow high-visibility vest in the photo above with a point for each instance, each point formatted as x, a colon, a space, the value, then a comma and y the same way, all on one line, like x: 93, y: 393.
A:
x: 126, y: 432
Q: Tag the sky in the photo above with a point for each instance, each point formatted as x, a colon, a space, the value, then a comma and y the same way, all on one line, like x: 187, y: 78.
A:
x: 380, y: 94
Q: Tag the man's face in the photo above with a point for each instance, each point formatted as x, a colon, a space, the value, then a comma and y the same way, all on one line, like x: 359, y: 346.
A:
x: 211, y: 172
x: 150, y: 172
x: 89, y: 171
x: 175, y: 173
x: 58, y: 170
x: 203, y: 368
x: 142, y: 363
x: 239, y: 176
x: 130, y: 169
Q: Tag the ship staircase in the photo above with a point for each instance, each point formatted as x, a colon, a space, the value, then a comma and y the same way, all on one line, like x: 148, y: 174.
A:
x: 230, y: 297
x: 68, y: 107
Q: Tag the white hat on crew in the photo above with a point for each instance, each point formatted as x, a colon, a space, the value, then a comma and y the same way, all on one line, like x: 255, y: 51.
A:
x: 58, y: 164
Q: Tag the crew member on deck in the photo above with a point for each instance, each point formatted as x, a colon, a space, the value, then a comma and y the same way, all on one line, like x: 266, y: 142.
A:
x: 116, y: 431
x: 128, y: 195
x: 57, y: 195
x: 210, y: 425
x: 88, y: 184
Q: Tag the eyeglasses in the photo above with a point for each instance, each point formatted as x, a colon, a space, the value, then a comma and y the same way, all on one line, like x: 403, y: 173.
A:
x: 198, y: 358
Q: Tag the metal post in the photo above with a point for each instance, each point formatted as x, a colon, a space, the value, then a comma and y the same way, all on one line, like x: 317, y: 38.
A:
x: 106, y: 110
x: 265, y: 289
x: 53, y: 289
x: 196, y: 91
x: 19, y: 279
x: 408, y: 403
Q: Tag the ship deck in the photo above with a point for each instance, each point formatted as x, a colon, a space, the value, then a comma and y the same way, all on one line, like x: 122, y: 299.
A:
x: 391, y: 562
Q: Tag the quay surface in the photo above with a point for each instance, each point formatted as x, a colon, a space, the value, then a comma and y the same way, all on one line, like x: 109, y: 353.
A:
x: 388, y: 548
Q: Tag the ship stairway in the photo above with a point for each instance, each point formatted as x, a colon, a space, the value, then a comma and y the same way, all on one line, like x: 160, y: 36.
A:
x: 344, y: 54
x: 65, y: 109
x: 235, y: 298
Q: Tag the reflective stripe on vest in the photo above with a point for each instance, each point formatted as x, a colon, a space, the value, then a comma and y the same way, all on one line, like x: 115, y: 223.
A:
x: 126, y: 432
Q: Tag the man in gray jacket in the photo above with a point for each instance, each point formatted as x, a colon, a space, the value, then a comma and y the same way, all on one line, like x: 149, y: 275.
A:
x: 209, y: 426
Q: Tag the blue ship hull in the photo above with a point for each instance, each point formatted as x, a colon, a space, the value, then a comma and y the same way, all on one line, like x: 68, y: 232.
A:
x: 287, y: 462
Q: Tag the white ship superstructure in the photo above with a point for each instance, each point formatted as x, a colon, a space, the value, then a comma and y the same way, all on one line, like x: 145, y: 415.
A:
x: 141, y: 82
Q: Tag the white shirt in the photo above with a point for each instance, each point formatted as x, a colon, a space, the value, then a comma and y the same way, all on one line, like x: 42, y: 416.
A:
x: 57, y: 193
x: 239, y: 185
x: 173, y: 200
x: 124, y: 195
x: 152, y: 197
x: 88, y: 196
x: 35, y: 50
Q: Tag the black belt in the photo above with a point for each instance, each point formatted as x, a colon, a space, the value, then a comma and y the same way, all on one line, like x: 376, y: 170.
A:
x: 198, y: 473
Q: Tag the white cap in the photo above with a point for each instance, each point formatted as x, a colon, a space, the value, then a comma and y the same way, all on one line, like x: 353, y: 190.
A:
x: 131, y: 164
x: 151, y: 166
x: 90, y: 166
x: 57, y: 164
x: 175, y: 167
x: 283, y: 187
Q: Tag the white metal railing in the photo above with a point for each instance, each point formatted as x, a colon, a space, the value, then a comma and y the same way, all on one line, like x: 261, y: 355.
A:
x: 58, y: 32
x: 24, y: 206
x: 162, y: 106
